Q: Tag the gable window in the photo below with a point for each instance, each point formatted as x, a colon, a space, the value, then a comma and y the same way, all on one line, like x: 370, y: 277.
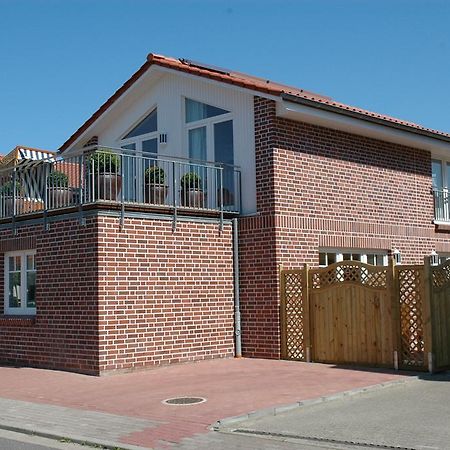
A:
x: 143, y: 138
x: 209, y: 131
x: 141, y: 141
x: 20, y: 283
x: 331, y: 256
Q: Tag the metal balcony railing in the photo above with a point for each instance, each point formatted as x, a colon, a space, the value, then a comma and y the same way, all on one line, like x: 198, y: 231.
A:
x: 109, y: 176
x: 441, y: 205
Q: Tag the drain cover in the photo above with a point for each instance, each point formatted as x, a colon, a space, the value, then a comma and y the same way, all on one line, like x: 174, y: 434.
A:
x: 184, y: 400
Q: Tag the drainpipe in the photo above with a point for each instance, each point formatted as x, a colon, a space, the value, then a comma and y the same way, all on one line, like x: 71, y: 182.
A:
x: 237, y: 312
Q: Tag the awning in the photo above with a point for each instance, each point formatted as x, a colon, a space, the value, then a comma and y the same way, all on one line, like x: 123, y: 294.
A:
x: 25, y: 156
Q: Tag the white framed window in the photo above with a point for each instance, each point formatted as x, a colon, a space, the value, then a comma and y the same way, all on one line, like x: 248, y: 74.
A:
x: 20, y: 282
x: 143, y: 137
x: 329, y: 256
x: 140, y: 140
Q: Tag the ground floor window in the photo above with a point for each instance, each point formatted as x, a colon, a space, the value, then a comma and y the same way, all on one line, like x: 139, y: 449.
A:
x: 330, y: 256
x: 20, y: 282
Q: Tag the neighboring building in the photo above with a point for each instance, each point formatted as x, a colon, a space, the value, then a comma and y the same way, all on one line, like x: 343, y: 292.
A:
x: 105, y: 270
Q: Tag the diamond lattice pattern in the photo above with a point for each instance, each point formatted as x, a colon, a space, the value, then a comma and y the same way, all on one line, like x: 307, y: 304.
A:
x: 411, y: 320
x: 350, y: 272
x: 294, y: 316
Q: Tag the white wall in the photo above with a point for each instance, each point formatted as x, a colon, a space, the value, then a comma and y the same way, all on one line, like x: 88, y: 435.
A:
x: 167, y: 90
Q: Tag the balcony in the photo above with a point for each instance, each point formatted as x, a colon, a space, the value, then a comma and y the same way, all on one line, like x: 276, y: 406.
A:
x: 441, y: 205
x: 111, y: 178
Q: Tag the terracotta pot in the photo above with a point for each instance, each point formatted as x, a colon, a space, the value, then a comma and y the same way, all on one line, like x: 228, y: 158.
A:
x: 59, y: 196
x: 156, y: 194
x: 108, y: 186
x: 193, y: 198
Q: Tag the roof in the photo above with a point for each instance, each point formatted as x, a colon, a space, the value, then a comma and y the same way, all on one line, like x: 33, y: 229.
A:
x: 256, y: 84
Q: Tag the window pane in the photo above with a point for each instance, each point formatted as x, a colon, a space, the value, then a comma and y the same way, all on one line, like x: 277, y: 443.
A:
x: 331, y: 258
x: 436, y: 168
x: 14, y: 290
x: 31, y: 289
x: 30, y: 262
x: 150, y: 146
x: 380, y: 260
x: 356, y: 257
x: 371, y: 260
x: 148, y: 125
x: 198, y: 111
x: 18, y: 263
x: 11, y: 264
x: 322, y: 259
x: 197, y: 144
x: 346, y: 257
x: 129, y: 146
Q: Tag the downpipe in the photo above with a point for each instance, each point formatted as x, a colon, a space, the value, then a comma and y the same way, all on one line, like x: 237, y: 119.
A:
x: 237, y: 311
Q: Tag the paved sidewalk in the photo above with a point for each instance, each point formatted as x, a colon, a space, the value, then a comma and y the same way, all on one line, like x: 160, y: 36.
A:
x: 127, y: 409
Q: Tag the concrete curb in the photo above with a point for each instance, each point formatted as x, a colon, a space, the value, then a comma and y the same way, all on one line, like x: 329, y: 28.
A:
x: 71, y: 438
x: 230, y: 421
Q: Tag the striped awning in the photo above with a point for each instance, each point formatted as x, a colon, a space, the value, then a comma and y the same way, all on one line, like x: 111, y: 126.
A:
x: 25, y: 156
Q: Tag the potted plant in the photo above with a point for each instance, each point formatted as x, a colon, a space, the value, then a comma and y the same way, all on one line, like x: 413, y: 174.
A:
x: 191, y: 190
x: 11, y: 190
x: 155, y: 187
x: 105, y: 167
x: 59, y: 192
x: 7, y: 196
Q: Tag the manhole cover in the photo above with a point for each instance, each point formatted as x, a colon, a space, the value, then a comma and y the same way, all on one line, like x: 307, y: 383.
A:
x: 184, y: 400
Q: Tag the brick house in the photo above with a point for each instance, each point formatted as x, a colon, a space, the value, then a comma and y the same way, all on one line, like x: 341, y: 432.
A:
x: 120, y: 251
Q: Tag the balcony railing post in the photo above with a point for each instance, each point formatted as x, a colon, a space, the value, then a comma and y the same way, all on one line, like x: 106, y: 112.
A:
x: 174, y: 196
x: 221, y: 196
x: 82, y: 160
x: 122, y: 199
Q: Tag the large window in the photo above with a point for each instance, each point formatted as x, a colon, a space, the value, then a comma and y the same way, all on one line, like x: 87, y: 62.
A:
x: 142, y: 140
x: 331, y: 256
x: 210, y: 137
x: 20, y: 283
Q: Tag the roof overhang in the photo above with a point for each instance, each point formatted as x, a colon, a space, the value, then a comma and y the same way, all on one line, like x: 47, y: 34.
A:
x: 304, y: 110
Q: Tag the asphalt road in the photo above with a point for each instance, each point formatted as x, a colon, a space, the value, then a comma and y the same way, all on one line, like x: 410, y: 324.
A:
x: 413, y: 415
x: 18, y: 441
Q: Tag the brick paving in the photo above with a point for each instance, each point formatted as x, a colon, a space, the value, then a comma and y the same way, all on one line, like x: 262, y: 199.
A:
x: 132, y: 403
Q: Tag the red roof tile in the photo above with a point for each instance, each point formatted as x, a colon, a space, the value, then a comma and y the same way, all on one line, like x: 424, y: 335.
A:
x: 252, y: 83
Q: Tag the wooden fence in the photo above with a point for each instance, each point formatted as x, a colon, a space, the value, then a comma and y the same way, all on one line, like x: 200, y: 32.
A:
x: 355, y: 313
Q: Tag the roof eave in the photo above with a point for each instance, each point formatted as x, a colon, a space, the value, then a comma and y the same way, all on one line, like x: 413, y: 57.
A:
x: 361, y: 116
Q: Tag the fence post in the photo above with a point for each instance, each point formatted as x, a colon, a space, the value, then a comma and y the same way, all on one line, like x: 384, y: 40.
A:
x: 393, y: 285
x: 283, y: 343
x: 306, y: 314
x: 428, y: 315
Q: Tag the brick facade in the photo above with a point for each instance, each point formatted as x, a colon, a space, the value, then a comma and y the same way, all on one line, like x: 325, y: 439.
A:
x: 111, y: 299
x: 318, y: 187
x: 64, y: 333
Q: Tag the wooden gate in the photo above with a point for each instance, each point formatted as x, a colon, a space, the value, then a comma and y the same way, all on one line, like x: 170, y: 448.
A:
x: 355, y: 313
x: 440, y: 315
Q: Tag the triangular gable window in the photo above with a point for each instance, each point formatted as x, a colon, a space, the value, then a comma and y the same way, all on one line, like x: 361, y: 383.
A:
x: 198, y: 111
x: 148, y: 125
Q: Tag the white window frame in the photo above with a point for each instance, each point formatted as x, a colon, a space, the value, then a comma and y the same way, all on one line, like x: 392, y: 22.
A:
x: 339, y: 252
x: 24, y: 309
x: 209, y: 124
x: 444, y: 172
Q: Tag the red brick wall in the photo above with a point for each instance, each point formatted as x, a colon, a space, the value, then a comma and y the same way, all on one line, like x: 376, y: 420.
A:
x: 64, y: 332
x: 165, y: 296
x: 111, y: 299
x: 318, y: 187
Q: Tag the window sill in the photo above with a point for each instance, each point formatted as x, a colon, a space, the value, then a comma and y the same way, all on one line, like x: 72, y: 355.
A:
x: 17, y: 321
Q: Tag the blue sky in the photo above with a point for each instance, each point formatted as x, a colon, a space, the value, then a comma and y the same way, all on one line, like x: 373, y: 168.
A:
x: 61, y: 59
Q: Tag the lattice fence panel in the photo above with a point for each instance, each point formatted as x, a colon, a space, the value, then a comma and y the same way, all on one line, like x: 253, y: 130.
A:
x: 441, y: 275
x: 294, y: 315
x: 411, y: 296
x: 349, y: 272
